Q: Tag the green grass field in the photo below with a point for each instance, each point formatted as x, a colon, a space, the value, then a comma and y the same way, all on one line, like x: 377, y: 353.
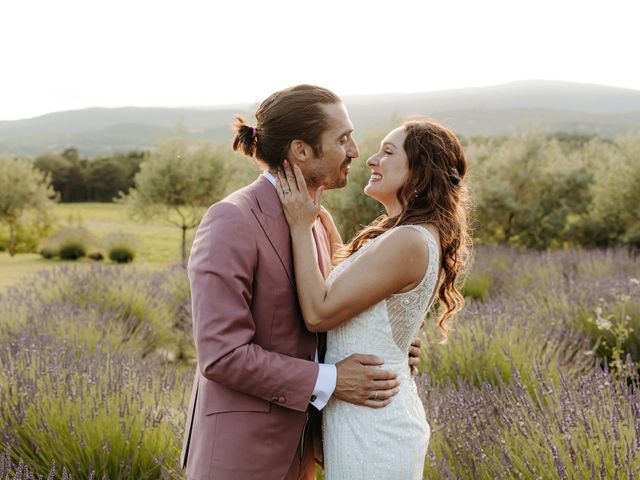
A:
x: 159, y: 242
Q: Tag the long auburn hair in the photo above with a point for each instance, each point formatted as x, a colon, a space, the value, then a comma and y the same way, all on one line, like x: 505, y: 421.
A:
x: 434, y: 193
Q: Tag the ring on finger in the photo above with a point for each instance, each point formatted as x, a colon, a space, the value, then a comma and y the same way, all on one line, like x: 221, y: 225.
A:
x: 375, y: 396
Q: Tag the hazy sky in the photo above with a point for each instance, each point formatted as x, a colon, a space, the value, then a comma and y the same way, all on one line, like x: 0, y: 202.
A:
x: 67, y: 54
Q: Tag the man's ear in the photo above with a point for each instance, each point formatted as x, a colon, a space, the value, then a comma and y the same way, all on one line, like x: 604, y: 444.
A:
x: 299, y: 151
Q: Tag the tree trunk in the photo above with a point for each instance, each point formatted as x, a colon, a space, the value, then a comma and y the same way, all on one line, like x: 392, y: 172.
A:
x: 12, y: 239
x: 184, y: 246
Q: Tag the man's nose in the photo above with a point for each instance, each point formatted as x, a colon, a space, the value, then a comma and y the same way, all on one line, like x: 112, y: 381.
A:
x: 353, y: 150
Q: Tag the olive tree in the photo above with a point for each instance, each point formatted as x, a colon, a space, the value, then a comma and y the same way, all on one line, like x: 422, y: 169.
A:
x: 615, y: 208
x: 22, y: 187
x: 177, y: 181
x: 526, y: 190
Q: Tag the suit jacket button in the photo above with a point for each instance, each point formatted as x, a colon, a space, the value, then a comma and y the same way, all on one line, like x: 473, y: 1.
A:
x: 275, y: 399
x: 282, y: 400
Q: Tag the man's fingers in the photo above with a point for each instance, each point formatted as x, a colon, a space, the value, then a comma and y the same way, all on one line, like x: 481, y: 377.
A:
x: 414, y: 361
x: 385, y: 394
x: 414, y: 352
x: 383, y: 375
x: 376, y: 403
x: 367, y: 359
x: 385, y: 384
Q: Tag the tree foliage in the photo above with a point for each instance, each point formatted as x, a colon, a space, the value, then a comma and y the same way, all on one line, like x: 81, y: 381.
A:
x: 177, y: 182
x: 614, y: 212
x: 22, y: 188
x: 526, y: 190
x: 100, y: 179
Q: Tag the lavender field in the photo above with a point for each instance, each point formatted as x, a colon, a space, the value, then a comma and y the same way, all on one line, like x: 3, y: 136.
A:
x: 538, y: 380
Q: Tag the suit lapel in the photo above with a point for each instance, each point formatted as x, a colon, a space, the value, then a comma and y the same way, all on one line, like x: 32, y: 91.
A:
x: 271, y: 218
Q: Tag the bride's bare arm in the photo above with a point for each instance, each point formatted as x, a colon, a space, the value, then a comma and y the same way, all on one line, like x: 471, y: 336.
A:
x: 395, y: 263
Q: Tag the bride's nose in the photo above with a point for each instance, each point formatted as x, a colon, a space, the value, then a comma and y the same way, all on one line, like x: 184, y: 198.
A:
x: 372, y: 161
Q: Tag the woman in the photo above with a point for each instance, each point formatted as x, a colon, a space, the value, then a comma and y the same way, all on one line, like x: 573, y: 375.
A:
x: 384, y: 283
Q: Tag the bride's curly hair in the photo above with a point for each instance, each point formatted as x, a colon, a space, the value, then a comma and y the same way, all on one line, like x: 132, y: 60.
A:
x: 435, y: 193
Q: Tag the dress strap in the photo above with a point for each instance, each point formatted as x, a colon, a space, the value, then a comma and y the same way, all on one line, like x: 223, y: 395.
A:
x: 433, y: 267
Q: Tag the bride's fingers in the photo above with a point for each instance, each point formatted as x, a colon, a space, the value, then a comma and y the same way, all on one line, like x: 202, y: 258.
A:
x: 282, y: 180
x: 302, y: 183
x: 291, y: 179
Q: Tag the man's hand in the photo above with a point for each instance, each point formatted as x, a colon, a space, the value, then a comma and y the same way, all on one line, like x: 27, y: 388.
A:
x: 414, y: 356
x: 360, y: 384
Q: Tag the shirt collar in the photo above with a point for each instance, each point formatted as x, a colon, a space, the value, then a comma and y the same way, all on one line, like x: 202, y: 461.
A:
x: 270, y: 177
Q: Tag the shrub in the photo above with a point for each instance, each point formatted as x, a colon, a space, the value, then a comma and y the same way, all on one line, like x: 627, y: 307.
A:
x: 121, y: 255
x: 29, y: 233
x: 70, y: 243
x: 121, y: 247
x: 72, y: 251
x: 96, y: 256
x: 47, y: 253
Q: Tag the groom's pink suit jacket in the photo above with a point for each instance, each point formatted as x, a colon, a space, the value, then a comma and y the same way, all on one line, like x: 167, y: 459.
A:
x: 256, y: 370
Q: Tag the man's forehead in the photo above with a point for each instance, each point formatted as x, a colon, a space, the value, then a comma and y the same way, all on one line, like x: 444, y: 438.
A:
x: 338, y: 116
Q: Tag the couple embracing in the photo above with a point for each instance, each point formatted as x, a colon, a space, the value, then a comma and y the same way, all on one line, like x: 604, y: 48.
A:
x: 306, y: 346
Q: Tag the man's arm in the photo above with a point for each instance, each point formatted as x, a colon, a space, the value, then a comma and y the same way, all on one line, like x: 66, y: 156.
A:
x: 221, y: 269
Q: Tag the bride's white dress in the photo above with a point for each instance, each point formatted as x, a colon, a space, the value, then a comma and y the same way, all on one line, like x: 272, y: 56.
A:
x: 390, y: 442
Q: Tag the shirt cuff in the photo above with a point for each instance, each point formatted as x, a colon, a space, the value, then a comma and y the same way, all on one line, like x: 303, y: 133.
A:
x: 325, y: 385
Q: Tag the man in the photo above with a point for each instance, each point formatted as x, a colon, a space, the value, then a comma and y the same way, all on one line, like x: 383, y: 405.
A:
x: 255, y: 403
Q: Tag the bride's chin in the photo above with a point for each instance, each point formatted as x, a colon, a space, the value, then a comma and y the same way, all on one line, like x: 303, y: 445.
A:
x: 369, y: 193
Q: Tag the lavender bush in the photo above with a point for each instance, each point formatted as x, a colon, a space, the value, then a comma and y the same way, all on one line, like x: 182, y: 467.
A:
x: 578, y: 427
x: 523, y: 389
x: 89, y: 375
x: 150, y: 310
x: 102, y: 412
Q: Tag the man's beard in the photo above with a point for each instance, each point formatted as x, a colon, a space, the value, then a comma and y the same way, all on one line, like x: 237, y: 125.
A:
x: 330, y: 181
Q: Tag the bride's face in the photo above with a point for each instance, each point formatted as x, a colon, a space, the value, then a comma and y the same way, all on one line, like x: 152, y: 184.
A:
x: 389, y: 171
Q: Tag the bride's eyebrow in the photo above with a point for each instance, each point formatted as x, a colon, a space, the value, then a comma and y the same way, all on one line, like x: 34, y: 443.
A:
x: 389, y: 144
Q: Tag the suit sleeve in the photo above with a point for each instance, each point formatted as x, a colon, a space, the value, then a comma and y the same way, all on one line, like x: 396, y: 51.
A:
x: 221, y: 269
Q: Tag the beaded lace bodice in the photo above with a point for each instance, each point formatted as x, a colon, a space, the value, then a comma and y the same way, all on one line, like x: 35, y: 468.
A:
x: 397, y: 317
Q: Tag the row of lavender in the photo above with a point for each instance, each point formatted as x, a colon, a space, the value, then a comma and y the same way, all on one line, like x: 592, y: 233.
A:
x: 539, y: 379
x: 95, y: 373
x: 97, y: 364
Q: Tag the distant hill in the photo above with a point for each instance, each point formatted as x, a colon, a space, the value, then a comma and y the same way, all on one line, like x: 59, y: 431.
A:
x: 551, y: 106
